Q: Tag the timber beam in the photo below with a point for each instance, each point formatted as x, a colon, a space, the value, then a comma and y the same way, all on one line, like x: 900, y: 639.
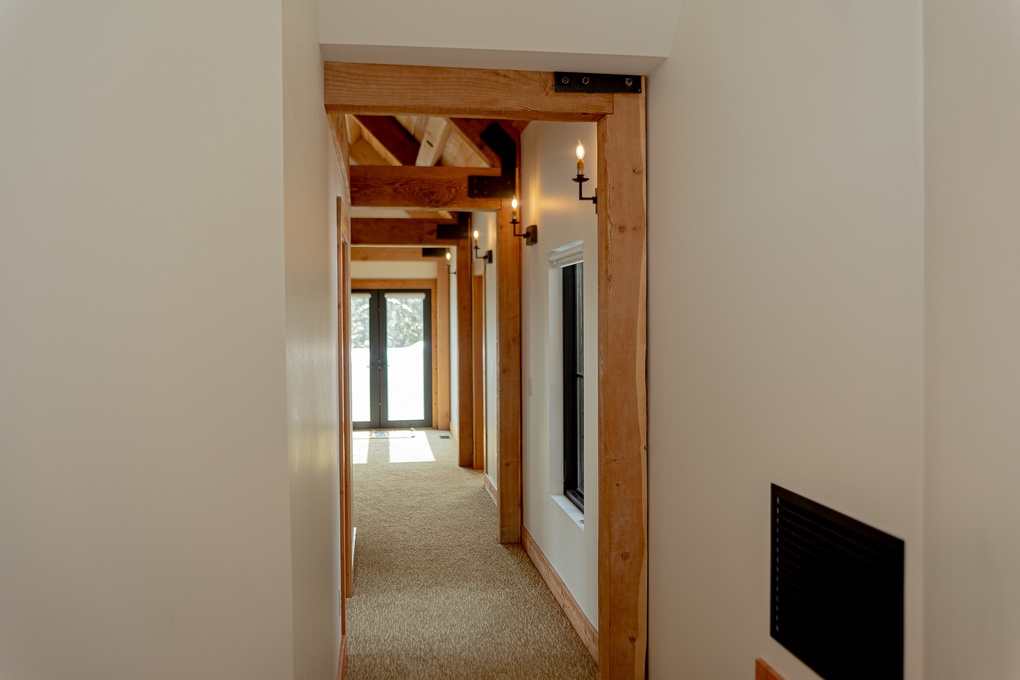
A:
x: 378, y: 89
x: 393, y: 136
x: 381, y: 232
x: 415, y: 187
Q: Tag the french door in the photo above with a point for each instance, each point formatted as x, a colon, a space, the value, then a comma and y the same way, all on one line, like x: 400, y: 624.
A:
x: 391, y: 358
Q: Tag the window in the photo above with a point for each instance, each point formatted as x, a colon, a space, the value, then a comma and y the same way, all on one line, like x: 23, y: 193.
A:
x: 573, y: 384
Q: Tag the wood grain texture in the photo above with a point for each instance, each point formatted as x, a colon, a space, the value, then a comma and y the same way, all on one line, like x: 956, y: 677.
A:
x: 589, y: 636
x: 470, y: 130
x: 508, y: 388
x: 478, y: 364
x: 393, y: 136
x: 622, y: 412
x: 395, y: 255
x: 377, y: 186
x: 433, y: 144
x: 465, y: 93
x: 343, y: 655
x: 342, y: 148
x: 346, y: 420
x: 367, y: 231
x: 763, y: 671
x: 465, y: 367
x: 394, y: 284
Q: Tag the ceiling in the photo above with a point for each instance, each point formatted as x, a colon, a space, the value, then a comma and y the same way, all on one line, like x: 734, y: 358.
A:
x: 422, y: 141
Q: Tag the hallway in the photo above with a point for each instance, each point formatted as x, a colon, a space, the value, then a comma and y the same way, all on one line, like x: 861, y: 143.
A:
x: 435, y: 595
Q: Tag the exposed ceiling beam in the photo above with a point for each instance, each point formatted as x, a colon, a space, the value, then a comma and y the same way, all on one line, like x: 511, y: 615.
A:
x: 433, y: 143
x: 393, y: 136
x: 365, y: 231
x: 470, y: 129
x: 397, y: 254
x: 468, y: 93
x: 413, y: 187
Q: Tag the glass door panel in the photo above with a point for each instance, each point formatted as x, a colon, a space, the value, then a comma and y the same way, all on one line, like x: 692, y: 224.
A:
x: 391, y: 358
x: 405, y: 356
x: 361, y: 357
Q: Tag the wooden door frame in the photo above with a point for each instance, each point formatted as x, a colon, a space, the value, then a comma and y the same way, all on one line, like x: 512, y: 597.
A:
x: 622, y: 245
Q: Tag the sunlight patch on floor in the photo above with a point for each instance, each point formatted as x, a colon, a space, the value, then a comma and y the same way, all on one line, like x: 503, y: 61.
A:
x: 409, y: 447
x: 360, y: 451
x: 412, y: 450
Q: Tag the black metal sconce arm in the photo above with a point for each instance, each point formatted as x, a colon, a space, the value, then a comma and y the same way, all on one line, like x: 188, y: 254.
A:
x: 581, y: 179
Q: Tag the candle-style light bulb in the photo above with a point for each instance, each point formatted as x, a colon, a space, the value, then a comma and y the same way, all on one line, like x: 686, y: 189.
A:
x: 580, y: 158
x: 513, y: 203
x: 476, y: 235
x: 448, y: 256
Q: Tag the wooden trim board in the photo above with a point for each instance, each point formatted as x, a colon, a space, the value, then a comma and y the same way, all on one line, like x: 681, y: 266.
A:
x: 508, y: 387
x: 465, y: 379
x: 589, y: 636
x: 478, y: 363
x: 623, y: 396
x: 763, y: 671
x: 341, y: 662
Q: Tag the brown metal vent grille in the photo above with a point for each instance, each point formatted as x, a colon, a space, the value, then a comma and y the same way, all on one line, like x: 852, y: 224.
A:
x: 837, y: 591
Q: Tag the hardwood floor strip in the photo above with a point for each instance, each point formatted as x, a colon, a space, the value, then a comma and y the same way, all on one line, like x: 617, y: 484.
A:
x: 763, y: 671
x: 589, y: 636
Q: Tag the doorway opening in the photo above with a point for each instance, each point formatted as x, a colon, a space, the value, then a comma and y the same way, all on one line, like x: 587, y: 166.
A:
x: 391, y: 358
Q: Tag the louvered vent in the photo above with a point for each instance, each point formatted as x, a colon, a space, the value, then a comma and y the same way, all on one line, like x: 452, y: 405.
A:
x: 837, y: 591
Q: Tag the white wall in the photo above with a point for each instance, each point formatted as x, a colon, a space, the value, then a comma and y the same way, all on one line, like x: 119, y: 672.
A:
x: 382, y: 269
x: 549, y: 199
x: 785, y: 307
x: 311, y: 182
x: 630, y: 37
x: 144, y: 486
x: 972, y: 604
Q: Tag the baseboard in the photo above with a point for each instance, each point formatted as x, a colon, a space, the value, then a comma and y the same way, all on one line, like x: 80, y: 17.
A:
x: 490, y: 488
x: 589, y: 636
x: 343, y: 658
x: 763, y: 671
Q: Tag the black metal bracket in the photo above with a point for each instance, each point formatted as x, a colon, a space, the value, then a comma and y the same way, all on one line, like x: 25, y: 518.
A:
x: 530, y: 233
x: 564, y: 81
x: 504, y: 186
x: 455, y: 232
x: 581, y: 179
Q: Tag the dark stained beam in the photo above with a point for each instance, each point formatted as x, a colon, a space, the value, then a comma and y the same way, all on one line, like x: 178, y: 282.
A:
x: 397, y: 232
x: 471, y: 130
x: 413, y: 187
x: 392, y: 135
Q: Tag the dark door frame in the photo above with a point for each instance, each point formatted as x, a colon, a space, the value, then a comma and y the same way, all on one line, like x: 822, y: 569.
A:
x: 379, y: 371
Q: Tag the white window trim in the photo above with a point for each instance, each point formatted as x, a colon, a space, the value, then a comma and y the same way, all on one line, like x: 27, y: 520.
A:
x: 564, y: 256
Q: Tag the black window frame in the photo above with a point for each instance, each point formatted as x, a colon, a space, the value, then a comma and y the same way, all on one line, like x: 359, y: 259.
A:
x: 572, y: 277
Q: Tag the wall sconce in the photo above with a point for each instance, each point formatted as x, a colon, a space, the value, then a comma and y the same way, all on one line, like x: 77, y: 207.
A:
x: 449, y: 261
x: 530, y: 234
x: 488, y: 253
x: 581, y: 179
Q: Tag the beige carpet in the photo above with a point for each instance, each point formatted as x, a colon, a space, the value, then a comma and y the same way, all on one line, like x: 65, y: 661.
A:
x: 435, y: 596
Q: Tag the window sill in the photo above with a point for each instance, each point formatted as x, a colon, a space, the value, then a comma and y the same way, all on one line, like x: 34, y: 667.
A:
x: 572, y: 512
